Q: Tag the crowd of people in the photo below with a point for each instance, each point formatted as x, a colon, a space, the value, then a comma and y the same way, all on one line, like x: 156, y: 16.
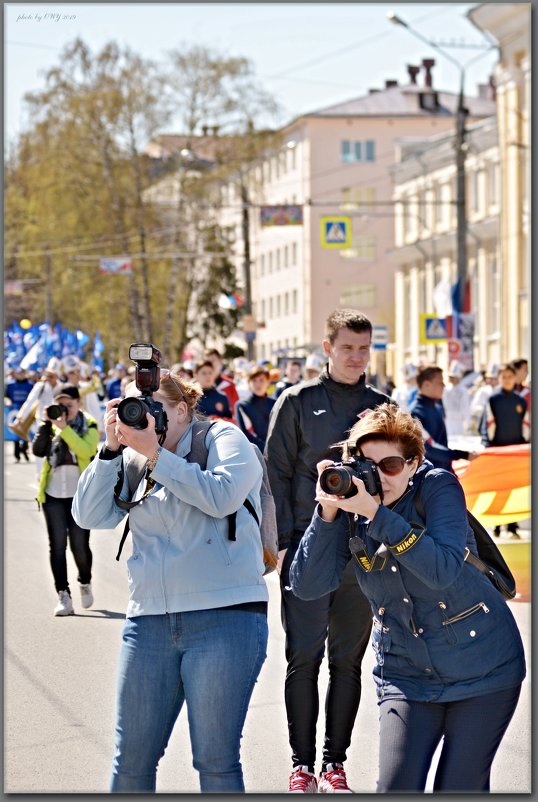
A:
x: 353, y: 566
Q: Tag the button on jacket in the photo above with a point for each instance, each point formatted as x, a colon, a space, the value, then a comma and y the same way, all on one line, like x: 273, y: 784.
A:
x: 182, y: 557
x: 306, y: 420
x: 441, y: 631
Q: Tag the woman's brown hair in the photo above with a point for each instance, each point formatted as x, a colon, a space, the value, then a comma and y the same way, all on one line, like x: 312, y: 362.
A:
x: 176, y: 389
x: 391, y: 424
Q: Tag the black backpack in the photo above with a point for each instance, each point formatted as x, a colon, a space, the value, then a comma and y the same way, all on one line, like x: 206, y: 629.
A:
x: 198, y: 454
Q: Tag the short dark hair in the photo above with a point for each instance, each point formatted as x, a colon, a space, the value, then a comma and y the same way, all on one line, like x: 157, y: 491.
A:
x: 507, y: 366
x: 427, y: 373
x: 518, y: 363
x: 212, y: 352
x: 204, y: 364
x: 259, y: 370
x: 346, y: 319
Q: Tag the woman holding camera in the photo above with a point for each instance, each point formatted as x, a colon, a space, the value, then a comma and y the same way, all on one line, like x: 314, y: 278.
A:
x: 196, y: 626
x: 67, y: 439
x: 450, y: 659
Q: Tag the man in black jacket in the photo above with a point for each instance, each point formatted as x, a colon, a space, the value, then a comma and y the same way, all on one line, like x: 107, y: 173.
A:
x: 305, y: 423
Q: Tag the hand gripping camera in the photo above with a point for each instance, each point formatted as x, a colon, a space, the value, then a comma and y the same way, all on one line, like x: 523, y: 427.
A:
x: 132, y: 411
x: 336, y: 479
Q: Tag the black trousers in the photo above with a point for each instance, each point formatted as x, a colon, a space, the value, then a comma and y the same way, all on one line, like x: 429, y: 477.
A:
x: 60, y: 526
x: 472, y: 730
x: 343, y: 620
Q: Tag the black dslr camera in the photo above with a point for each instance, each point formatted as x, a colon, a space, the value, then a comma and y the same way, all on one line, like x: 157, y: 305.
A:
x: 336, y: 479
x: 132, y: 411
x: 55, y: 411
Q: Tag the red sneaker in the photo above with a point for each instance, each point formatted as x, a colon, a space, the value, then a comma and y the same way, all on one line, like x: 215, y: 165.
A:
x: 333, y: 781
x: 302, y: 781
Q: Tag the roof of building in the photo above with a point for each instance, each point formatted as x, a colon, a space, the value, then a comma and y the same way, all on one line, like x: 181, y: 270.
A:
x: 398, y: 100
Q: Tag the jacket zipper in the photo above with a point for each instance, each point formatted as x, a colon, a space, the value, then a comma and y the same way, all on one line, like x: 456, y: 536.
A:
x: 463, y: 614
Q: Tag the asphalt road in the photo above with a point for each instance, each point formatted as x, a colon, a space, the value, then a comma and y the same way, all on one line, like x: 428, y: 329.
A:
x: 60, y: 679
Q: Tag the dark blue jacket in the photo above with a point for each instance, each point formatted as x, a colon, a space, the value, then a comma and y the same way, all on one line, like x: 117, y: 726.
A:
x: 215, y: 404
x: 505, y: 421
x: 253, y: 418
x: 432, y: 417
x: 442, y: 632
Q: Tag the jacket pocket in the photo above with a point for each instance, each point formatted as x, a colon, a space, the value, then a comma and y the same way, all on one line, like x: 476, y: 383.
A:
x: 449, y: 621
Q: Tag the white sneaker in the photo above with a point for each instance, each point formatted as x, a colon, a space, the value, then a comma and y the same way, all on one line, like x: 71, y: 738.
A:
x: 65, y: 605
x: 86, y: 595
x: 302, y: 781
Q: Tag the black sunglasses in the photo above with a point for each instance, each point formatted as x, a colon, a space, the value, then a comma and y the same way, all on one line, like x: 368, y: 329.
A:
x: 391, y: 466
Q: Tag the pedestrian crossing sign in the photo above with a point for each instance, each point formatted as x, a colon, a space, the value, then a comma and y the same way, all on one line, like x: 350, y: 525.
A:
x: 432, y: 329
x: 335, y: 232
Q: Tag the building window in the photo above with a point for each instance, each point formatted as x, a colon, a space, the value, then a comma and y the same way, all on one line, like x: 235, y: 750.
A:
x: 262, y: 265
x: 363, y: 248
x: 295, y: 302
x: 358, y: 198
x: 293, y: 158
x: 494, y: 295
x: 278, y: 312
x: 473, y: 189
x: 286, y: 256
x: 277, y: 255
x: 493, y: 174
x: 438, y: 204
x: 294, y: 253
x: 263, y: 309
x: 357, y: 151
x: 270, y: 265
x: 286, y: 303
x: 270, y: 308
x: 358, y: 296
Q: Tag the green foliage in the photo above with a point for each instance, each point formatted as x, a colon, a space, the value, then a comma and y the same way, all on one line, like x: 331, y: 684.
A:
x: 76, y: 189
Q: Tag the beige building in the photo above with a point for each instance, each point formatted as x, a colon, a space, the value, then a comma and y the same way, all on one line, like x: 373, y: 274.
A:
x: 337, y: 162
x: 510, y: 25
x: 425, y: 254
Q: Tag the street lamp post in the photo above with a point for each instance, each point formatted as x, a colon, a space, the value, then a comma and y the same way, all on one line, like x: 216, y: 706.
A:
x: 247, y: 306
x: 461, y: 200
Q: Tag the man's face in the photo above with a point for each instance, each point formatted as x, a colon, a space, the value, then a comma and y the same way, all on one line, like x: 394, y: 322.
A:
x: 206, y: 377
x: 507, y: 380
x: 348, y: 355
x: 259, y: 384
x: 433, y: 388
x: 293, y: 372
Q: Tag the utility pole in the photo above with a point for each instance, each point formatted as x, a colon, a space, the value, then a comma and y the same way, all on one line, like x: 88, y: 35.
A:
x: 460, y: 148
x: 249, y: 333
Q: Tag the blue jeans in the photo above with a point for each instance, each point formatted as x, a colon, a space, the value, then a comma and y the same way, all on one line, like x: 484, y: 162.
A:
x: 209, y: 659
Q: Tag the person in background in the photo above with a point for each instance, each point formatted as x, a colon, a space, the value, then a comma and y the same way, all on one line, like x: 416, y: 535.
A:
x: 456, y: 402
x: 306, y: 420
x: 404, y: 394
x: 67, y: 444
x: 113, y: 385
x: 449, y: 656
x: 481, y: 394
x: 505, y: 421
x: 43, y: 393
x: 253, y: 414
x: 222, y: 382
x: 292, y: 376
x: 212, y: 403
x: 428, y: 409
x: 313, y: 366
x: 17, y: 391
x: 521, y: 367
x: 195, y: 632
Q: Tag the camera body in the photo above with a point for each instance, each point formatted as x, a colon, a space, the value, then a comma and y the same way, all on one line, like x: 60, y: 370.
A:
x: 336, y: 479
x: 55, y: 411
x: 132, y: 411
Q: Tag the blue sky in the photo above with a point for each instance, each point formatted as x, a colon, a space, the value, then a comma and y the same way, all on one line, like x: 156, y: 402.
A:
x: 308, y: 55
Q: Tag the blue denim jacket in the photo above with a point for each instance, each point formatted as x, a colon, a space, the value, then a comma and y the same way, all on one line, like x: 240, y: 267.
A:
x: 182, y: 557
x: 441, y: 631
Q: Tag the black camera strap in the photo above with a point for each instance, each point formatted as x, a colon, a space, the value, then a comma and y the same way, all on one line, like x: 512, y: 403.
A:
x: 356, y: 546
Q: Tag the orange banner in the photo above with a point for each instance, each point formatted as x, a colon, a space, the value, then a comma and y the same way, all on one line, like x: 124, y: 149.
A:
x: 497, y: 484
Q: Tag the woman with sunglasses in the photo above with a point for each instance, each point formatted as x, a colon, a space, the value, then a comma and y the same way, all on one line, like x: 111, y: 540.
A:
x: 196, y: 625
x: 449, y: 657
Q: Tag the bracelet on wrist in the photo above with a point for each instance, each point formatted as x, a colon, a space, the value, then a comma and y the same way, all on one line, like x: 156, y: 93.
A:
x: 152, y: 462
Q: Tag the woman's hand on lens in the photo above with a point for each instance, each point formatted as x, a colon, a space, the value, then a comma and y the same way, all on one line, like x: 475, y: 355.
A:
x: 110, y: 420
x: 145, y: 441
x: 360, y: 504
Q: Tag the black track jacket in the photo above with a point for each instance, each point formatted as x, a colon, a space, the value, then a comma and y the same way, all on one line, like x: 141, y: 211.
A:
x: 306, y: 421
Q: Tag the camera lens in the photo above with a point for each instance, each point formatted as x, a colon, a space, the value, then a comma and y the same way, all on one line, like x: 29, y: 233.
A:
x: 132, y: 411
x: 54, y: 411
x: 336, y: 481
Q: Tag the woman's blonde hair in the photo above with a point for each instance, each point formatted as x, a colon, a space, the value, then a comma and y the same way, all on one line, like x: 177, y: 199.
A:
x: 176, y: 389
x: 391, y: 424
